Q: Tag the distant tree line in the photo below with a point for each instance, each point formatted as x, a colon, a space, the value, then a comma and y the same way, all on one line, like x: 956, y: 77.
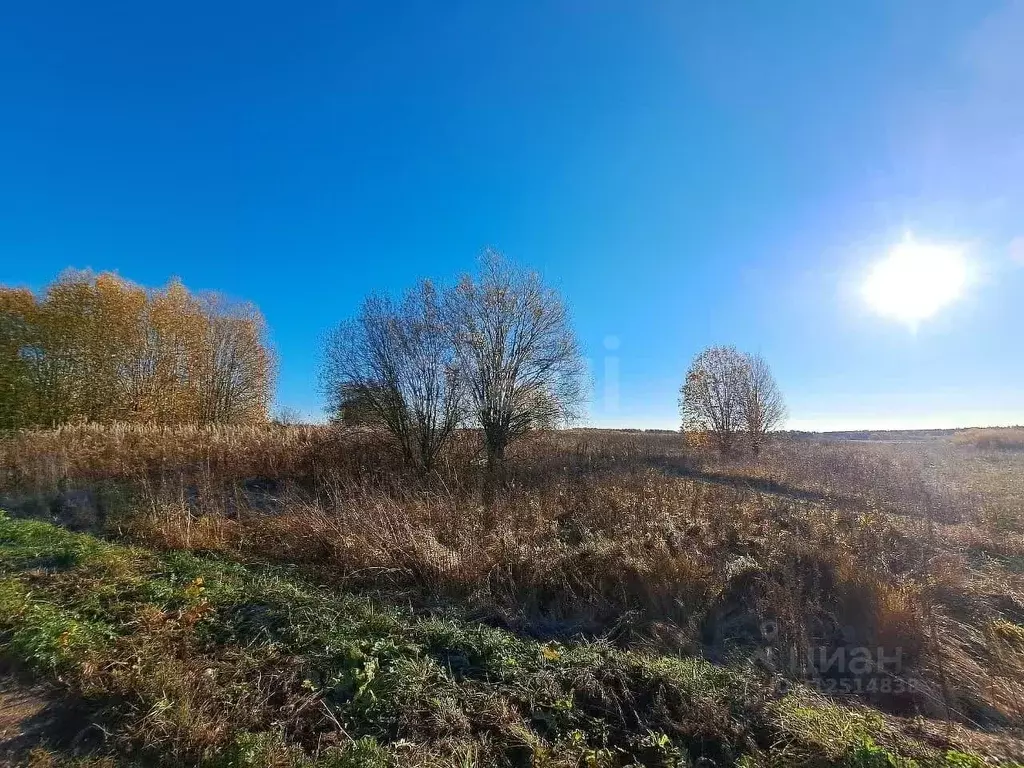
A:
x: 496, y: 351
x: 98, y: 348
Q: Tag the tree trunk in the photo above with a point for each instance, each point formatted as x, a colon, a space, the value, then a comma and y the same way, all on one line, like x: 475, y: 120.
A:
x: 492, y: 473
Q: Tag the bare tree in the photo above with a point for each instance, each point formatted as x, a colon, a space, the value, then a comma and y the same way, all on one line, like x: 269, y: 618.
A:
x: 287, y: 416
x: 235, y: 368
x: 761, y: 404
x: 518, y: 353
x: 710, y: 399
x: 726, y: 393
x: 350, y: 407
x: 397, y: 363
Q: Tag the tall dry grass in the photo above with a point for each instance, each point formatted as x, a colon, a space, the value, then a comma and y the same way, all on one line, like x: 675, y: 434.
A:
x: 46, y: 459
x: 636, y: 537
x: 992, y: 438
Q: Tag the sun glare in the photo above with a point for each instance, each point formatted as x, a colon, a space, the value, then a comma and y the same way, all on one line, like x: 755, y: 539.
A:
x: 915, y: 281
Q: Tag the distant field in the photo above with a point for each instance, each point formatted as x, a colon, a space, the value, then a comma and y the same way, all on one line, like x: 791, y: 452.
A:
x: 891, y: 435
x: 1010, y: 439
x: 289, y: 596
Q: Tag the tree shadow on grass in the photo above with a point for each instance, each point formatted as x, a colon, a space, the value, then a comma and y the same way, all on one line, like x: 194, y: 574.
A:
x: 684, y: 468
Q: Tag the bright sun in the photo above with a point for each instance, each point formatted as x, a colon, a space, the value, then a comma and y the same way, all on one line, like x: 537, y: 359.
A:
x: 915, y: 281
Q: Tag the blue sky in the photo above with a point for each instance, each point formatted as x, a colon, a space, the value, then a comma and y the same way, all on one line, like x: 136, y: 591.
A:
x: 686, y: 173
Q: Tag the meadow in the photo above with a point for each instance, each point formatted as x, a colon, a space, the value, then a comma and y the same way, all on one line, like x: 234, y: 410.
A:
x: 271, y: 595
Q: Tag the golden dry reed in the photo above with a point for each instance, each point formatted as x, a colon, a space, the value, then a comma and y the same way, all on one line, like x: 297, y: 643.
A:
x: 913, y: 548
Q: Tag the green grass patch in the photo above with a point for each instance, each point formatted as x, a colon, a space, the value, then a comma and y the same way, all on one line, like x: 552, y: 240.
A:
x: 199, y: 660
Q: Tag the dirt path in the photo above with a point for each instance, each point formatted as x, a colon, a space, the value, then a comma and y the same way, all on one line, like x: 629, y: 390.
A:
x: 32, y: 716
x: 21, y: 719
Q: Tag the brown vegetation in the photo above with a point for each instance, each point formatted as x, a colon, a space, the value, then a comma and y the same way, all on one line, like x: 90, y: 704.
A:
x: 993, y: 438
x: 634, y: 537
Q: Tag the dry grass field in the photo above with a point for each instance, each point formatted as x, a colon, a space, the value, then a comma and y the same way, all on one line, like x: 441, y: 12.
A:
x: 290, y: 596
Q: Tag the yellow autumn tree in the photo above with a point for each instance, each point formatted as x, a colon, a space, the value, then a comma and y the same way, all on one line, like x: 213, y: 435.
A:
x: 234, y: 363
x: 100, y: 348
x: 166, y: 386
x: 18, y: 343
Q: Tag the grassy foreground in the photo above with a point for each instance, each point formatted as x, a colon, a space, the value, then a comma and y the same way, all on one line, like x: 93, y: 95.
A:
x: 188, y: 659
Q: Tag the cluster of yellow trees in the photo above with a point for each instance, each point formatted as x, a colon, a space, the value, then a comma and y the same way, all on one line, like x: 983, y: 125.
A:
x: 99, y: 348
